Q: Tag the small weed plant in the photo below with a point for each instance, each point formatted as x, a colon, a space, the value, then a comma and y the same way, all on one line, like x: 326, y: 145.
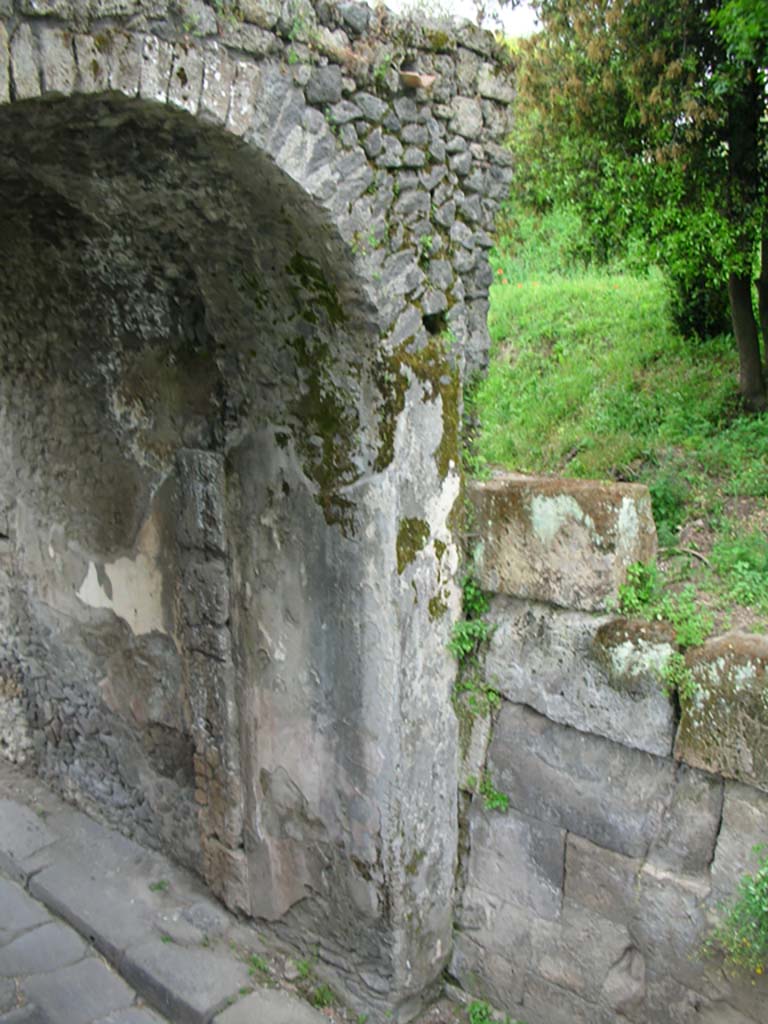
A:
x: 480, y: 1012
x: 258, y: 965
x: 305, y: 968
x: 743, y: 935
x: 323, y: 997
x: 470, y: 632
x: 481, y: 698
x: 677, y: 678
x: 644, y: 595
x: 493, y: 799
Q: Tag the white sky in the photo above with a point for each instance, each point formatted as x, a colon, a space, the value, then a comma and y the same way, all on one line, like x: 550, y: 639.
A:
x: 518, y: 22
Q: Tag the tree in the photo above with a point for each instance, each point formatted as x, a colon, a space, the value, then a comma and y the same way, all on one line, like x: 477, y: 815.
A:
x: 650, y: 115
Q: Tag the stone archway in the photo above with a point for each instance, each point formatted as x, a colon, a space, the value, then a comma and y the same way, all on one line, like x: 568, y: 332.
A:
x: 226, y: 493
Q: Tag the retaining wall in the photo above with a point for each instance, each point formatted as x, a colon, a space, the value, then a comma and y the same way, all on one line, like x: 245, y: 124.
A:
x: 588, y: 901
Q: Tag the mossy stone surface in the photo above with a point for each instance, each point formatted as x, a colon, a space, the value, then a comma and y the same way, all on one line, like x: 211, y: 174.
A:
x: 724, y: 729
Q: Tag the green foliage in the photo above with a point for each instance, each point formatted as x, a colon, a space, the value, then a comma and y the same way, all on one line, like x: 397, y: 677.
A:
x: 493, y: 799
x: 257, y: 965
x: 743, y: 935
x: 481, y: 697
x: 742, y: 563
x: 470, y: 632
x: 305, y: 968
x: 641, y: 593
x: 479, y: 1012
x: 647, y: 116
x: 160, y: 886
x: 677, y: 678
x: 474, y: 601
x: 669, y: 493
x: 323, y: 996
x: 466, y: 636
x: 644, y: 595
x: 588, y: 375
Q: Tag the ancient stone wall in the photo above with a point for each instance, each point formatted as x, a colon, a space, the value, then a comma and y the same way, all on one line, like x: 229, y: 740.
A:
x: 589, y: 899
x: 243, y: 265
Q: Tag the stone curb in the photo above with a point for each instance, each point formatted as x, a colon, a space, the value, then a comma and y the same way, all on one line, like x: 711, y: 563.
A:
x: 153, y: 921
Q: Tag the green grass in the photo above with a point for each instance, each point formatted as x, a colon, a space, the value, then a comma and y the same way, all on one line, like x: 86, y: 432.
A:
x: 589, y: 378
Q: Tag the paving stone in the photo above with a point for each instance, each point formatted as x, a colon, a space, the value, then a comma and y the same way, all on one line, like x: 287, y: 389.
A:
x: 111, y: 924
x: 136, y: 1015
x: 29, y: 1014
x: 79, y: 994
x: 43, y: 949
x: 19, y: 911
x: 22, y: 834
x: 270, y: 1007
x: 7, y: 994
x: 187, y: 985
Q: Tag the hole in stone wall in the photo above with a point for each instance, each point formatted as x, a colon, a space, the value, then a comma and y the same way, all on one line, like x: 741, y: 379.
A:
x: 435, y: 323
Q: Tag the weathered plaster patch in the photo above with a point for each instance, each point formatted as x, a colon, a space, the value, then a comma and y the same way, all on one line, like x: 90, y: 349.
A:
x: 132, y: 588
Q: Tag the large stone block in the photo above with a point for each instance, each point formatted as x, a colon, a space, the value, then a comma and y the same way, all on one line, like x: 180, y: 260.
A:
x: 584, y: 963
x: 25, y: 74
x: 515, y: 859
x: 601, y: 880
x: 567, y: 542
x: 580, y: 952
x: 598, y: 674
x: 585, y: 784
x: 685, y: 844
x: 666, y: 914
x: 545, y: 1003
x: 724, y: 728
x: 5, y: 65
x: 744, y: 826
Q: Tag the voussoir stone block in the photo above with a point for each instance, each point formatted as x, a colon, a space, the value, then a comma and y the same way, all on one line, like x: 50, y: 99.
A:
x: 566, y: 542
x: 724, y: 728
x: 595, y: 673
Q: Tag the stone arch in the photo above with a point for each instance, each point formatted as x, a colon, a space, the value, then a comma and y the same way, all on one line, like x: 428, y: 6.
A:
x: 226, y: 556
x: 225, y: 499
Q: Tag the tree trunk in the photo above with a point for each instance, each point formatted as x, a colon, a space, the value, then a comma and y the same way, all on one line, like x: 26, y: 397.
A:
x: 745, y: 111
x: 762, y: 294
x: 751, y: 380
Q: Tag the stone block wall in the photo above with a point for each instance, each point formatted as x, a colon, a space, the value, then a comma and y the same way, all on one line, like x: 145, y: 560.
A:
x: 629, y: 821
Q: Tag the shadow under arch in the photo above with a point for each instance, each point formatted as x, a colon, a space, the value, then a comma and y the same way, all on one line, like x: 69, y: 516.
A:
x: 201, y: 580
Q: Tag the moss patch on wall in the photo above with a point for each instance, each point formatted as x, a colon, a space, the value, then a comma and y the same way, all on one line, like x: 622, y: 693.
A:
x: 412, y: 537
x: 430, y: 366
